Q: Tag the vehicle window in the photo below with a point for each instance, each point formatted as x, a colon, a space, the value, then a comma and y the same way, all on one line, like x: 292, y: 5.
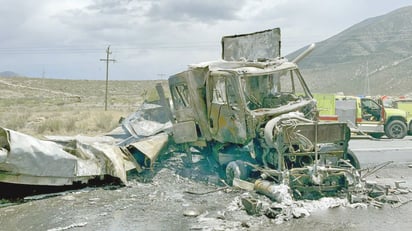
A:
x: 370, y: 110
x: 289, y: 83
x: 180, y: 96
x: 388, y: 103
x: 232, y: 97
x: 370, y: 104
x: 273, y: 90
x: 219, y: 90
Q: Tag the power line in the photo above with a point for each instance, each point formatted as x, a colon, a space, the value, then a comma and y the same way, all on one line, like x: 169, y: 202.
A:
x: 79, y: 50
x: 370, y: 37
x: 373, y: 37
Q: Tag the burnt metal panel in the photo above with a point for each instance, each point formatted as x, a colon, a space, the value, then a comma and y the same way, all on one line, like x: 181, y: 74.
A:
x: 326, y: 133
x: 185, y: 132
x: 253, y: 46
x: 346, y: 110
x: 185, y: 115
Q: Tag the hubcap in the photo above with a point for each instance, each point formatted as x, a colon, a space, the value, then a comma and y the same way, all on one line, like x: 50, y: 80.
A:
x: 396, y: 131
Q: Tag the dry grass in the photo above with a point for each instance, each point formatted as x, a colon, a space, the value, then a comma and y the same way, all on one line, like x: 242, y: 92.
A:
x: 69, y: 107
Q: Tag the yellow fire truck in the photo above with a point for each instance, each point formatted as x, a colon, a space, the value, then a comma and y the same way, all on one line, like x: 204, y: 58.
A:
x: 363, y: 114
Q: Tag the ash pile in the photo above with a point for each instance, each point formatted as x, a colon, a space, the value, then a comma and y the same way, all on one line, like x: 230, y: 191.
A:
x: 283, y: 201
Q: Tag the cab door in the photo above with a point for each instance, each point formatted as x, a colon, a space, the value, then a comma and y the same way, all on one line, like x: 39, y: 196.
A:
x: 370, y: 118
x: 371, y: 111
x: 226, y: 115
x: 184, y: 126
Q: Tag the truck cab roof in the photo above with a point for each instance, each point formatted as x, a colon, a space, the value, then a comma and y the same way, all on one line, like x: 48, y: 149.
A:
x: 247, y: 67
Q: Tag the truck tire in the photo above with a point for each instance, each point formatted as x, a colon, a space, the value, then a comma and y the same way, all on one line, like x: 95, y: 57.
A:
x: 236, y: 169
x: 410, y: 128
x: 396, y: 129
x: 353, y: 159
x: 376, y: 135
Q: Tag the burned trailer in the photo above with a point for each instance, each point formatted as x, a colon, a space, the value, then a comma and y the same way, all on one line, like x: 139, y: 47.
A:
x: 257, y: 118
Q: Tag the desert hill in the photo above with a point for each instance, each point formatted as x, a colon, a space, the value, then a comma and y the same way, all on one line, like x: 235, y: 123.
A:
x: 370, y: 58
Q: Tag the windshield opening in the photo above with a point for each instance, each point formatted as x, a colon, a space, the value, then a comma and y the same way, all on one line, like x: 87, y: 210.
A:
x: 388, y: 103
x: 273, y: 90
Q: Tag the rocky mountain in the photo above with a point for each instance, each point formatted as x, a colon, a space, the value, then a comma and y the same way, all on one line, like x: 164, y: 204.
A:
x: 373, y: 57
x: 8, y: 74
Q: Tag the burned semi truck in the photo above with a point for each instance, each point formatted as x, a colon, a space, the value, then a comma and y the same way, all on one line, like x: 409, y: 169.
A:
x: 253, y: 113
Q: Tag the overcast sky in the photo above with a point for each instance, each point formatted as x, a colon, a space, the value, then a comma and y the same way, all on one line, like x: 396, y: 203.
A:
x: 153, y: 39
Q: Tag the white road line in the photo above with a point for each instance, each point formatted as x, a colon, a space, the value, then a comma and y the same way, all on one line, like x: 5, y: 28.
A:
x: 381, y: 149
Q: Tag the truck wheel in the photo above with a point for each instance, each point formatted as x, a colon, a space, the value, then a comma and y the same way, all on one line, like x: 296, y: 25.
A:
x: 396, y: 129
x: 376, y: 135
x: 236, y: 169
x: 410, y: 128
x: 353, y: 160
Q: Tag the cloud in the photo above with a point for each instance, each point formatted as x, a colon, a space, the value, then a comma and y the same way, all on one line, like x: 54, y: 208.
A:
x: 164, y: 20
x: 201, y: 11
x: 15, y: 15
x: 151, y: 37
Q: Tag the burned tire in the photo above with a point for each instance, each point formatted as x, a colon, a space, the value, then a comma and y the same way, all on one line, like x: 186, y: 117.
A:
x: 396, y: 129
x: 353, y: 160
x: 236, y: 169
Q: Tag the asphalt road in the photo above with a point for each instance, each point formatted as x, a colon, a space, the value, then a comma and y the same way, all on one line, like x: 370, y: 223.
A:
x: 379, y: 151
x: 161, y: 203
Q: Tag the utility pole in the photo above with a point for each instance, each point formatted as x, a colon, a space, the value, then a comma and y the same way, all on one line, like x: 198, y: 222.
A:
x: 161, y: 75
x: 367, y: 84
x: 107, y: 60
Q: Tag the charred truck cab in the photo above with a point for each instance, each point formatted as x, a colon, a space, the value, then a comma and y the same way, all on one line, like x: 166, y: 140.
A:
x: 256, y: 116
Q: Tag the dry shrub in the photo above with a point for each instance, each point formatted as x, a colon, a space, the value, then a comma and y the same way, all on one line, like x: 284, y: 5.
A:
x: 62, y: 122
x: 16, y: 121
x: 52, y: 125
x: 105, y: 121
x: 44, y: 107
x: 70, y: 125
